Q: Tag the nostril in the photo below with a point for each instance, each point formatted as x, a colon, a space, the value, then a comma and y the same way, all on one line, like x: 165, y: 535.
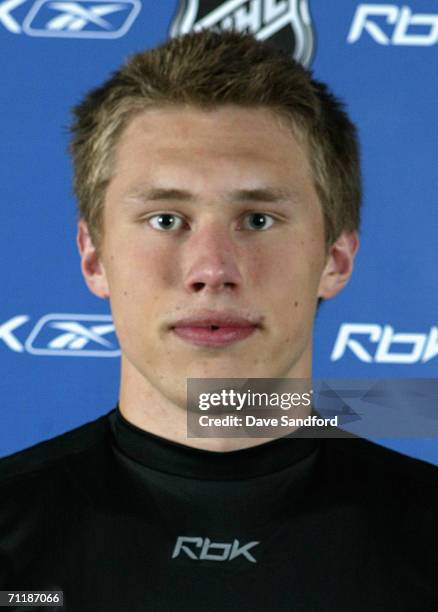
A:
x: 198, y: 286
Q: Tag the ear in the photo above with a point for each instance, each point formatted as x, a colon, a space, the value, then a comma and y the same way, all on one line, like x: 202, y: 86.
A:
x: 339, y: 265
x: 92, y: 267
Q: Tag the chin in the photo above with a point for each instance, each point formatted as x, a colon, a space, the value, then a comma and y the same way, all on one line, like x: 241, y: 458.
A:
x: 225, y: 370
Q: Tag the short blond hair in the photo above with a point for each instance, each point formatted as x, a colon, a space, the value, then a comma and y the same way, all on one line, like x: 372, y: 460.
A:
x: 208, y: 69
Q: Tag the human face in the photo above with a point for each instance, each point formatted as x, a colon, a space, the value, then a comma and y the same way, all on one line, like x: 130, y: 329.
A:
x: 210, y: 214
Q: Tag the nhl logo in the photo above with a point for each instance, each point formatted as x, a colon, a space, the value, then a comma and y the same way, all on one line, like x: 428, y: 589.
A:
x: 286, y: 23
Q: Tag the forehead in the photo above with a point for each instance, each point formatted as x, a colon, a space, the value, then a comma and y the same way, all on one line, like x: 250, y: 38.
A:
x: 226, y: 139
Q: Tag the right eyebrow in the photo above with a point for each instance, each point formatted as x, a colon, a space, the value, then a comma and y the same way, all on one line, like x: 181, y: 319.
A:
x: 157, y: 194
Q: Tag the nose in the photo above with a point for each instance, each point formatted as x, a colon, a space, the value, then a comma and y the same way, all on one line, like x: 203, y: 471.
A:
x: 211, y: 263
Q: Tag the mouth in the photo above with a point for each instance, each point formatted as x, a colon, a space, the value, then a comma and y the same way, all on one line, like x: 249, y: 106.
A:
x: 218, y: 331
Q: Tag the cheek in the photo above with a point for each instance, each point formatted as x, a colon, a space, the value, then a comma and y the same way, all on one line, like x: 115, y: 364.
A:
x: 140, y: 267
x: 291, y: 269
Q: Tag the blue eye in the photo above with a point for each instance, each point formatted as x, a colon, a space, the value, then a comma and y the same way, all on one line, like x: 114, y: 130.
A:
x: 166, y: 222
x: 259, y: 221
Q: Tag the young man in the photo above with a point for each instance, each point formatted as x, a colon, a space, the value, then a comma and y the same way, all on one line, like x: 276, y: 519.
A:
x: 219, y: 192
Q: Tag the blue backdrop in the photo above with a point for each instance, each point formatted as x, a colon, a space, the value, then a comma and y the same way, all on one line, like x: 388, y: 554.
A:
x: 58, y: 351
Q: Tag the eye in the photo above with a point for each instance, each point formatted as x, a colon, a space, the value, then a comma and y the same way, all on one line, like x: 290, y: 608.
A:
x: 166, y: 222
x: 258, y: 221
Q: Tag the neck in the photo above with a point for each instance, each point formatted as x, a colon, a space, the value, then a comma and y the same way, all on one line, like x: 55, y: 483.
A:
x: 146, y: 407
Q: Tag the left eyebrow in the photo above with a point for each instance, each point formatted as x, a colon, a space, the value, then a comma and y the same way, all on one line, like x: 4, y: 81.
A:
x: 267, y: 194
x: 262, y: 195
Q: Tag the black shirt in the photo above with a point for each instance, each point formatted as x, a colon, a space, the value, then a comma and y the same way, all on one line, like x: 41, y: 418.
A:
x: 122, y: 520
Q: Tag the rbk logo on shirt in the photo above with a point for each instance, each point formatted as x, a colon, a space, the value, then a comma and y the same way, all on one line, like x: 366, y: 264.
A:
x: 200, y: 549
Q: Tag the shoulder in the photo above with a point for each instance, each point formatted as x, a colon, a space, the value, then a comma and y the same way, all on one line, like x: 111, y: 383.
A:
x: 53, y: 454
x: 397, y: 490
x: 389, y: 498
x: 45, y: 494
x: 364, y: 460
